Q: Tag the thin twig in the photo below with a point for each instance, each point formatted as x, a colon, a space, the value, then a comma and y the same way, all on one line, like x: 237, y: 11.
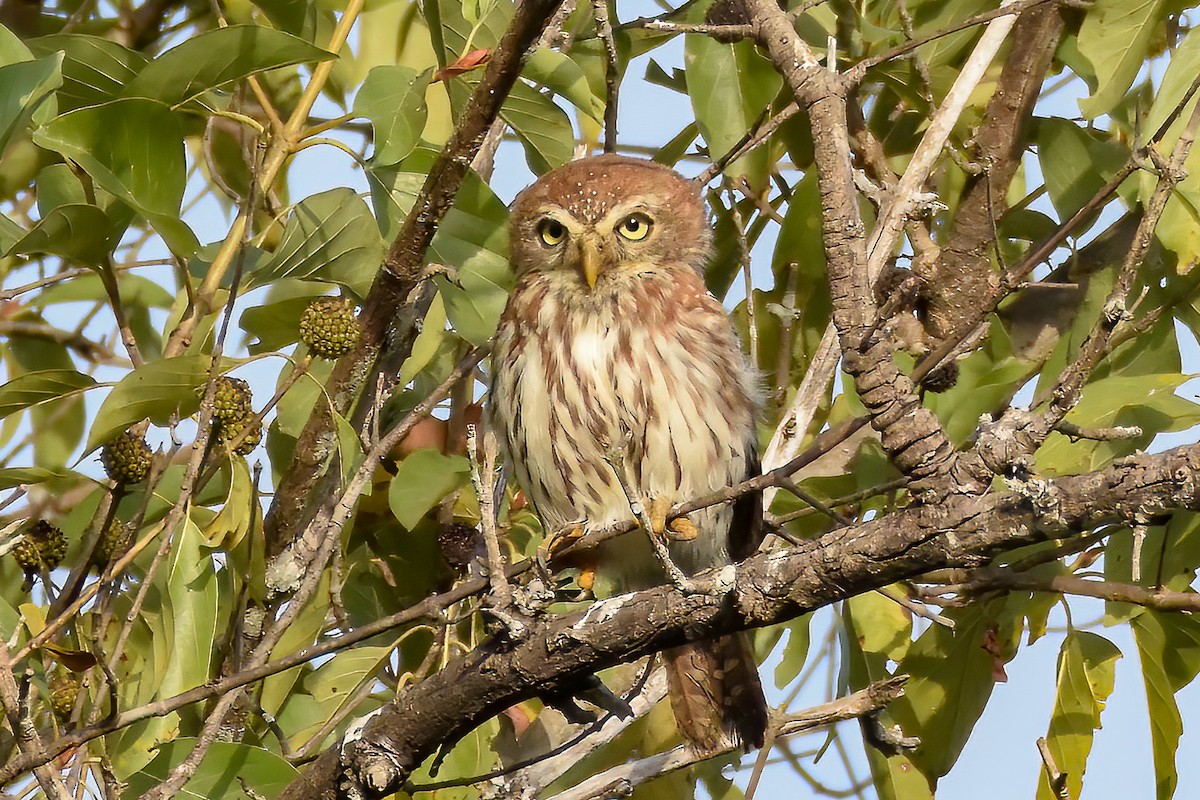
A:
x: 625, y: 777
x: 483, y: 476
x: 612, y: 75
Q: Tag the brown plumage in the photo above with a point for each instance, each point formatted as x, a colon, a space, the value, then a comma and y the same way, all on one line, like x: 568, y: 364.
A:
x: 610, y: 345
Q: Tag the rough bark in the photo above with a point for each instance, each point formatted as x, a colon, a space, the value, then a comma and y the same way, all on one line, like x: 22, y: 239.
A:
x: 964, y: 278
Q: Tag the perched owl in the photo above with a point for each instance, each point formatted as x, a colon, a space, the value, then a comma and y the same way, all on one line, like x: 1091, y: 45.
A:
x: 611, y: 345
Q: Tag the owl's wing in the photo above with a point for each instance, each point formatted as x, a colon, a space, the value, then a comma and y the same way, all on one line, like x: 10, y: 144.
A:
x: 746, y: 526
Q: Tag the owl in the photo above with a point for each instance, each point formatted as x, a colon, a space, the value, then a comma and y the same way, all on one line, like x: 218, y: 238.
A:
x: 611, y: 355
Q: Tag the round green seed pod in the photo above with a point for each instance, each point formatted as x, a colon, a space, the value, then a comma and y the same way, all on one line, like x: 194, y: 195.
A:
x: 27, y: 555
x: 64, y: 690
x: 231, y: 403
x: 127, y: 458
x: 50, y: 542
x: 114, y: 543
x: 250, y: 442
x: 329, y: 327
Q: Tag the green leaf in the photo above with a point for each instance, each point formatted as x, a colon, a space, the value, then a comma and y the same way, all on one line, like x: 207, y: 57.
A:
x: 136, y: 291
x: 24, y: 86
x: 133, y: 148
x: 559, y: 73
x: 731, y: 86
x: 795, y: 650
x: 157, y: 390
x: 471, y: 755
x: 78, y: 233
x: 237, y: 513
x: 1076, y: 163
x: 275, y: 325
x: 543, y: 128
x: 294, y: 16
x: 227, y: 770
x: 10, y: 233
x: 475, y: 302
x: 12, y: 477
x: 393, y: 98
x: 329, y: 237
x: 425, y: 346
x: 1169, y: 649
x: 952, y: 680
x: 1115, y: 38
x: 883, y: 626
x: 472, y: 238
x: 895, y: 777
x: 217, y: 57
x: 1182, y: 69
x: 38, y: 387
x: 1149, y: 401
x: 94, y: 69
x: 1086, y: 673
x: 191, y: 612
x: 310, y: 623
x: 424, y: 478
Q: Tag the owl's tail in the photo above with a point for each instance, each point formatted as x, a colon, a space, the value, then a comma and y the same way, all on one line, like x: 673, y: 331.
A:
x: 716, y: 694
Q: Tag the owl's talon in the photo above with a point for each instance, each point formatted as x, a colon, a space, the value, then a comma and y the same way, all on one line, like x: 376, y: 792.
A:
x: 682, y: 529
x: 557, y: 541
x: 657, y: 510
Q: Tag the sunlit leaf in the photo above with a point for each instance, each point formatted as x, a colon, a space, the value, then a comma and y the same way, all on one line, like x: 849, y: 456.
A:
x: 393, y: 98
x: 1169, y: 648
x: 217, y: 57
x: 1115, y: 36
x: 134, y: 149
x: 228, y: 769
x: 330, y: 237
x: 542, y: 127
x: 156, y: 391
x: 731, y: 86
x: 32, y: 388
x: 1086, y: 673
x: 24, y: 86
x: 424, y: 478
x: 192, y: 592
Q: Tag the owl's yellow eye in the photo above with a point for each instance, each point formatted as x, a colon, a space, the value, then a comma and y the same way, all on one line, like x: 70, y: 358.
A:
x: 551, y: 232
x: 635, y: 227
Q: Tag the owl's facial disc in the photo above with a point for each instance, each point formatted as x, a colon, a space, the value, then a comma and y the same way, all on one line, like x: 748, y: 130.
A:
x: 592, y: 246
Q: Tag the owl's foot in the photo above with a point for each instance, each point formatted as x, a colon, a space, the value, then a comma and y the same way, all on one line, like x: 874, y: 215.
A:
x: 587, y: 578
x: 557, y: 541
x: 680, y: 529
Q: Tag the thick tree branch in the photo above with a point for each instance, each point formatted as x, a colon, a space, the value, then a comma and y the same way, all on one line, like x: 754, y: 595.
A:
x: 910, y: 433
x: 964, y: 277
x: 963, y: 531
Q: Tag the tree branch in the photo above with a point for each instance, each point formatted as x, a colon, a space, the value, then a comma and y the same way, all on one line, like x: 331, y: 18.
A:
x: 962, y: 531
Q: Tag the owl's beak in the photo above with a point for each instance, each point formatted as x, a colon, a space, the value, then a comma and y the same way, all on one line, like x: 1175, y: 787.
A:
x: 589, y: 256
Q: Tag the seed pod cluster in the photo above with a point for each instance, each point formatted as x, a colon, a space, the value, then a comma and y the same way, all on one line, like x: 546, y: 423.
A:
x: 232, y: 412
x: 42, y: 547
x: 329, y: 327
x: 114, y: 543
x: 126, y: 458
x: 64, y: 689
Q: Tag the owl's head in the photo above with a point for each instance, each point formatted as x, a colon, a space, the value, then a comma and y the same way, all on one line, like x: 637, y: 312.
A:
x: 608, y: 215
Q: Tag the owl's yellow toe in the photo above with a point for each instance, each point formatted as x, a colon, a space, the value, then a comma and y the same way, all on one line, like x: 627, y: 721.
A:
x: 557, y: 541
x: 682, y: 529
